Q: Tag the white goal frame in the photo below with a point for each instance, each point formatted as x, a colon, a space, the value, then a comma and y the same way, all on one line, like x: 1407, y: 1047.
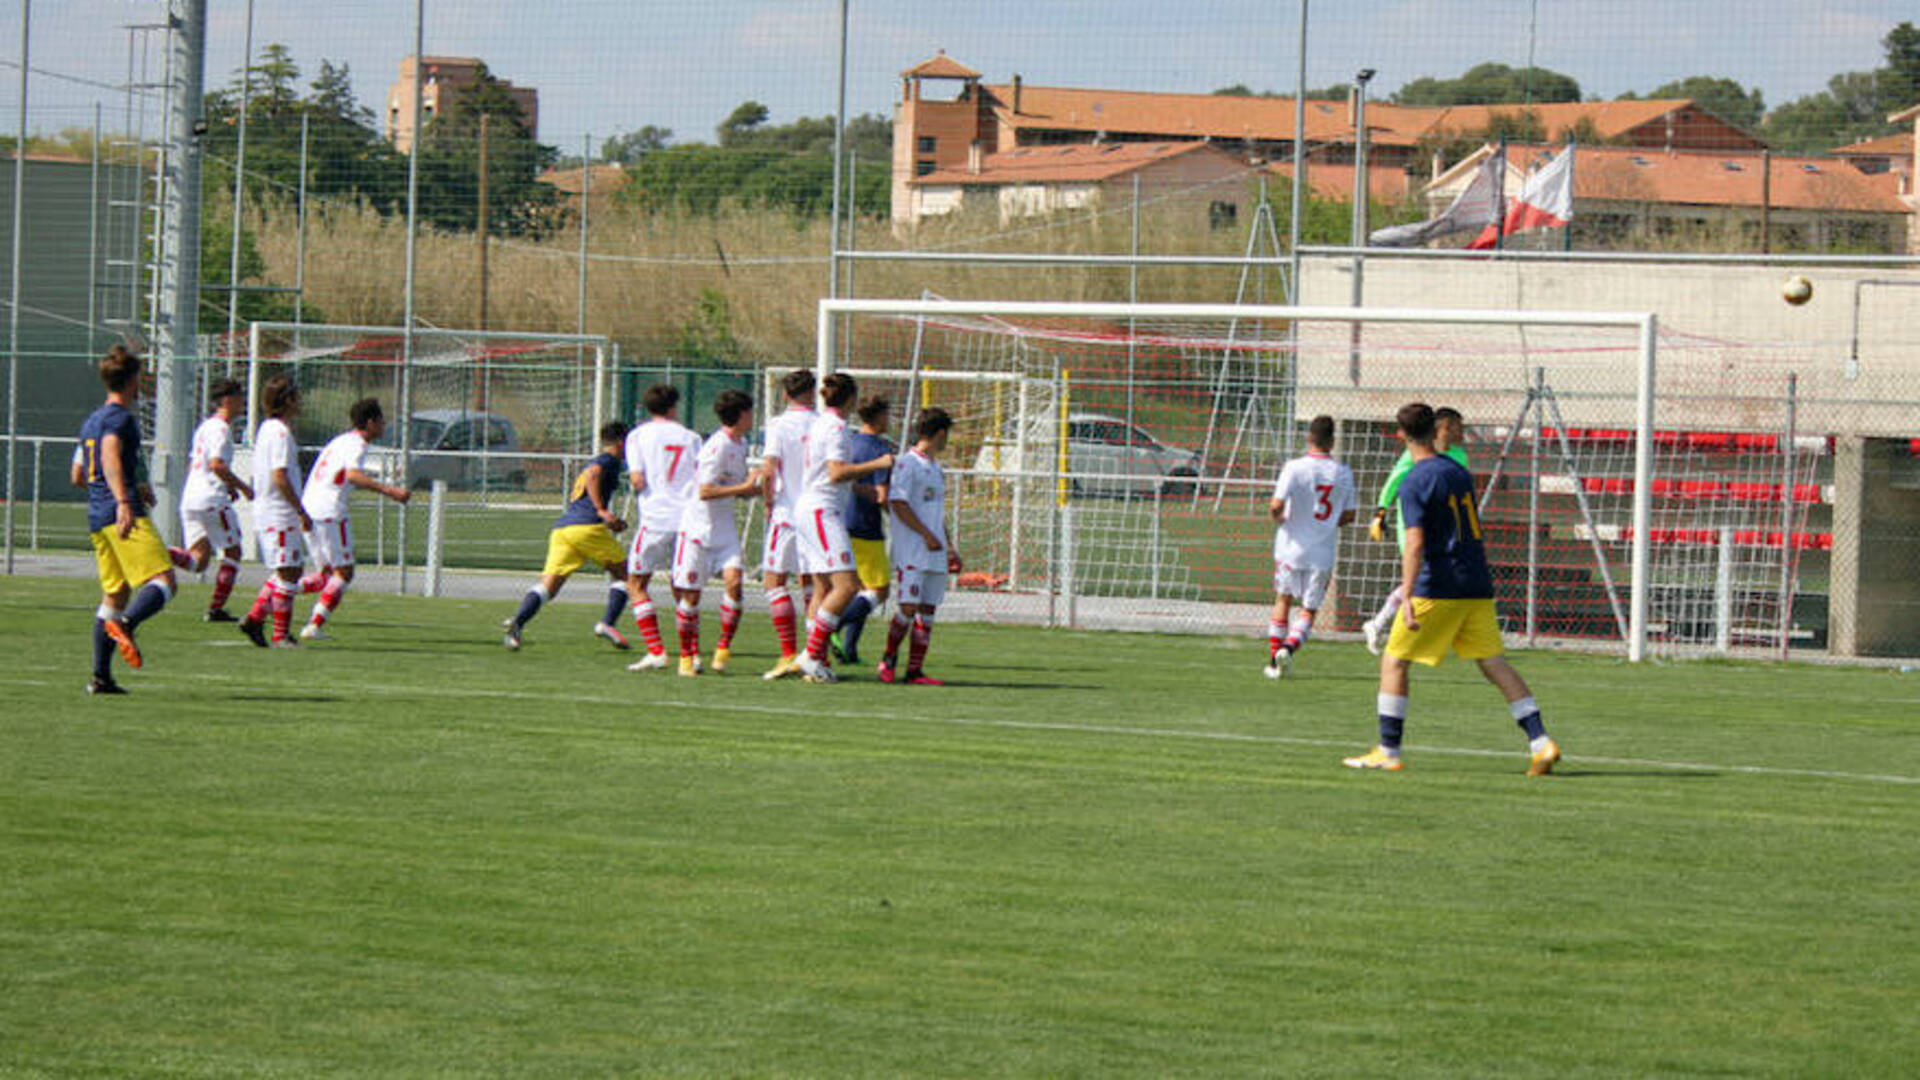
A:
x: 1645, y: 324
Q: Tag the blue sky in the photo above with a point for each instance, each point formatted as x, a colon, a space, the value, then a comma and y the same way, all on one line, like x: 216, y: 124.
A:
x: 604, y: 66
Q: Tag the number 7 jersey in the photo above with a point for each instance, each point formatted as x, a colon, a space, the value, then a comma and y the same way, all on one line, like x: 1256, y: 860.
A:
x: 1318, y: 491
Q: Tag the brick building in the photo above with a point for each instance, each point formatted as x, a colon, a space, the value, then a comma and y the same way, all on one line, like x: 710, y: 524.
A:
x: 446, y: 78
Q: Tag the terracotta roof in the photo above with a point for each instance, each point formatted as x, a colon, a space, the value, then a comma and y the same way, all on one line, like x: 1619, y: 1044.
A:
x: 1899, y: 144
x: 1182, y: 116
x: 606, y: 179
x: 941, y: 66
x: 1074, y: 163
x: 1610, y: 118
x: 1385, y: 183
x: 1702, y: 178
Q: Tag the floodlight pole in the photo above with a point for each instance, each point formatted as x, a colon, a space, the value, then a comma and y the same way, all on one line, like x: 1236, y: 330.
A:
x: 1360, y: 80
x: 176, y: 337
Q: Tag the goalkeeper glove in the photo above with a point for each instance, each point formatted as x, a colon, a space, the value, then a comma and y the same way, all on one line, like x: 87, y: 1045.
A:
x: 1377, y: 528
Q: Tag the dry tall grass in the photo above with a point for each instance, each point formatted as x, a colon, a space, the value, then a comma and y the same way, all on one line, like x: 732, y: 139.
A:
x: 646, y: 273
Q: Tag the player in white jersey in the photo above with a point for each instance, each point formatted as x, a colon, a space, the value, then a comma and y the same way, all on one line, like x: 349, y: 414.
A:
x: 1312, y: 500
x: 660, y: 462
x: 922, y: 554
x: 207, y: 521
x: 339, y: 468
x: 279, y: 519
x: 709, y: 540
x: 820, y: 518
x: 782, y: 470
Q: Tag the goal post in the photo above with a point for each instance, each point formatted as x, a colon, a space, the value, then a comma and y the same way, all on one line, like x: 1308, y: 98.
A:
x: 1158, y: 522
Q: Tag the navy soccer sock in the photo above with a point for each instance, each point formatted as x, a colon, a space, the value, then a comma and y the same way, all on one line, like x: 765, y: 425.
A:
x: 147, y: 603
x: 1393, y: 720
x: 529, y: 606
x: 616, y: 603
x: 102, y: 650
x: 853, y: 620
x: 1527, y: 715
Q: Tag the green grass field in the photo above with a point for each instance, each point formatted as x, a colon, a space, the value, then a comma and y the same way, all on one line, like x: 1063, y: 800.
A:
x: 410, y: 853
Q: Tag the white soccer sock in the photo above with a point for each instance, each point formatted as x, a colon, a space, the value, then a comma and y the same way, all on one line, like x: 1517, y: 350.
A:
x: 1523, y: 708
x: 1302, y: 630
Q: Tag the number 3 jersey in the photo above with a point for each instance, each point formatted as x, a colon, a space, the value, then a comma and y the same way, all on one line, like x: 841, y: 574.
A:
x: 1318, y: 491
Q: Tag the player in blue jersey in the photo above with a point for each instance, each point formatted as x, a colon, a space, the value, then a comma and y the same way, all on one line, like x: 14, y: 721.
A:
x: 1450, y: 599
x: 126, y: 546
x: 1449, y: 438
x: 583, y: 533
x: 866, y: 514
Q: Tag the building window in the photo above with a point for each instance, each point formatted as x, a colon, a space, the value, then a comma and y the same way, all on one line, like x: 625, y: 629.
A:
x: 925, y: 144
x: 922, y: 168
x: 1222, y: 214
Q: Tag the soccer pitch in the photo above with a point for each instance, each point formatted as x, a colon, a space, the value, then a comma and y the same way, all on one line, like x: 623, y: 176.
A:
x: 408, y: 852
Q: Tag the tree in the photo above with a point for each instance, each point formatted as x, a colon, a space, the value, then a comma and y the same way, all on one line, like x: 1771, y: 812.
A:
x: 1855, y: 104
x: 1491, y: 84
x: 1900, y: 79
x: 1724, y: 98
x: 740, y: 123
x: 629, y: 148
x: 450, y: 162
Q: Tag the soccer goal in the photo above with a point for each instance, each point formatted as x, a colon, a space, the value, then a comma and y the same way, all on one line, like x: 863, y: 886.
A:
x: 501, y: 418
x: 1111, y: 464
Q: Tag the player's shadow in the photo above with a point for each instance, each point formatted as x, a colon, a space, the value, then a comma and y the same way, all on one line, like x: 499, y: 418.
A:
x: 311, y: 699
x: 1564, y: 773
x: 962, y: 683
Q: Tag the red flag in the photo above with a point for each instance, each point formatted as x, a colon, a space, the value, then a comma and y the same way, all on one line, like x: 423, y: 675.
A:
x: 1545, y: 202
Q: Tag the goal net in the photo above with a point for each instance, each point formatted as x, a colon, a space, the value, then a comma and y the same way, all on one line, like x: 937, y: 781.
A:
x: 502, y: 418
x: 1111, y: 464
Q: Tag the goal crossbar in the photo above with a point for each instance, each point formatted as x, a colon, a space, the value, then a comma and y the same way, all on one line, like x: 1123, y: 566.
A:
x: 1645, y: 326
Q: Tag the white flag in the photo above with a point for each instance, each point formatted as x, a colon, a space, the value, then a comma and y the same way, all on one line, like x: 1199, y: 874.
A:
x: 1477, y: 206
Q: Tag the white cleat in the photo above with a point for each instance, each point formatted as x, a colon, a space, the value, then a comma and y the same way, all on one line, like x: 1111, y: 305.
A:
x: 649, y: 662
x: 314, y: 632
x: 1279, y: 665
x: 816, y: 672
x: 1376, y: 634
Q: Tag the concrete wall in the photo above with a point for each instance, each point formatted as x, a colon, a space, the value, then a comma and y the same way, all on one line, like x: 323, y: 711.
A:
x: 1728, y: 339
x: 1875, y: 596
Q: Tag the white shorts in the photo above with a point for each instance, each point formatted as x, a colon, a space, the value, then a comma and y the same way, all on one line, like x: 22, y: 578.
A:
x: 695, y: 559
x: 216, y: 525
x: 1309, y: 587
x: 783, y: 554
x: 825, y: 547
x: 927, y: 587
x: 652, y: 551
x: 331, y: 541
x: 280, y: 547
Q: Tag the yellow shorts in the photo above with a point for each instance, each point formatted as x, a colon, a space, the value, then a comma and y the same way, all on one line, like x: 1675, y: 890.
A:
x: 870, y: 562
x: 135, y: 560
x: 1467, y: 627
x: 571, y: 547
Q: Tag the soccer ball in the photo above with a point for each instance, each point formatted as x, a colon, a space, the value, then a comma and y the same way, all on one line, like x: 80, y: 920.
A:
x: 1796, y: 290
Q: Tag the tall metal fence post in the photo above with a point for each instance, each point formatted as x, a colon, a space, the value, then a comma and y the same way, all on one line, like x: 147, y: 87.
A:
x: 13, y: 282
x: 177, y: 343
x: 1533, y: 515
x: 413, y: 230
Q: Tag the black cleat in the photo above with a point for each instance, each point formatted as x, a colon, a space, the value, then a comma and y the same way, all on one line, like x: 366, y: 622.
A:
x: 256, y: 632
x: 104, y: 685
x: 220, y: 614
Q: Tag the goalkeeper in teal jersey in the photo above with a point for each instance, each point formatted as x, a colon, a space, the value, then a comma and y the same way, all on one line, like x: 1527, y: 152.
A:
x: 1449, y: 438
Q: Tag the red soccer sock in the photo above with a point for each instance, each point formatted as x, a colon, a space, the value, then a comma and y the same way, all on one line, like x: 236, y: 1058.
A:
x: 784, y: 624
x: 917, y: 648
x: 223, y: 584
x: 822, y: 628
x: 1276, y: 637
x: 263, y: 603
x: 282, y: 606
x: 729, y: 623
x: 896, y: 633
x: 649, y: 626
x: 329, y: 601
x: 686, y: 619
x: 312, y: 583
x: 183, y: 559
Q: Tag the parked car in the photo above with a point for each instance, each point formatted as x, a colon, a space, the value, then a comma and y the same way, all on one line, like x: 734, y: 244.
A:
x: 1105, y: 455
x: 465, y: 449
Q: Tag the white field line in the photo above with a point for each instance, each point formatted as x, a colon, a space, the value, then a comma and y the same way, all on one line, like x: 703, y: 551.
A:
x: 1088, y: 729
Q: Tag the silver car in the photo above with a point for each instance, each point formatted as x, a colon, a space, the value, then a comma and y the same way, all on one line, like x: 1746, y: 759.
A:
x: 1105, y: 456
x: 465, y: 449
